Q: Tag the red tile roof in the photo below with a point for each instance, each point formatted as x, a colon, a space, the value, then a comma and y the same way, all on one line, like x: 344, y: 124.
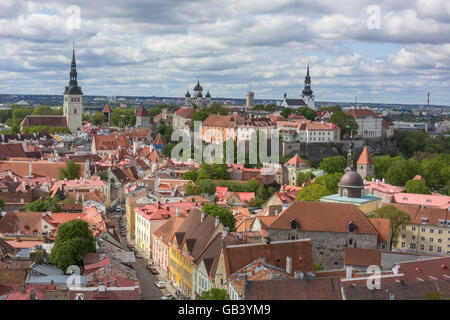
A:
x: 275, y: 253
x: 362, y: 113
x: 365, y: 158
x: 383, y: 228
x: 294, y: 289
x: 110, y: 142
x: 142, y: 112
x: 326, y: 217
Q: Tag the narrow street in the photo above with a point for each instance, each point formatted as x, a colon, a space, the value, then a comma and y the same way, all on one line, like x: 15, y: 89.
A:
x: 147, y: 281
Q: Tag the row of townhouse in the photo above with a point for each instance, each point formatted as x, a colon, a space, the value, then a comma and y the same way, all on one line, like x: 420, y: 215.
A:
x: 218, y: 129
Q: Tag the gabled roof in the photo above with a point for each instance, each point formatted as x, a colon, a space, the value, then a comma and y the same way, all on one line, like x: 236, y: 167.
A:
x: 159, y: 140
x: 275, y: 253
x: 51, y: 121
x: 362, y: 113
x: 142, y: 112
x: 296, y: 161
x: 365, y: 158
x: 106, y: 109
x: 383, y: 228
x: 325, y: 217
x: 110, y: 142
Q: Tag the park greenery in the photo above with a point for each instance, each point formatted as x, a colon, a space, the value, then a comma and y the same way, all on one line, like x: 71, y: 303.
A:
x: 73, y: 241
x: 397, y: 171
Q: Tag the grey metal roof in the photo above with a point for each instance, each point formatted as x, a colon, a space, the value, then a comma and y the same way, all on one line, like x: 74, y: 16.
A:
x: 58, y: 280
x: 46, y: 270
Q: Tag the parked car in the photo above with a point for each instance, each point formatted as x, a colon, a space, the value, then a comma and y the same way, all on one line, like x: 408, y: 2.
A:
x: 153, y: 270
x: 160, y: 284
x: 167, y: 296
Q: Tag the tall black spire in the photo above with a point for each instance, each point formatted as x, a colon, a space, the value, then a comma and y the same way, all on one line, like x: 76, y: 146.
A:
x: 307, y: 90
x: 73, y: 83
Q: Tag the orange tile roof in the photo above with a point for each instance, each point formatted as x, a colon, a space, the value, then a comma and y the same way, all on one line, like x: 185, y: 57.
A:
x: 365, y: 158
x: 383, y: 227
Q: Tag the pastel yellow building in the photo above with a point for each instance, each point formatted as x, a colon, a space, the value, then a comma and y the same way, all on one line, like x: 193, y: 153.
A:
x: 428, y: 232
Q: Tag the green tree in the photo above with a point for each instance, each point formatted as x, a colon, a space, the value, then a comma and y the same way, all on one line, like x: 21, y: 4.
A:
x: 225, y: 215
x: 436, y: 170
x: 398, y: 218
x: 344, y: 121
x: 73, y: 241
x: 313, y: 192
x: 333, y: 164
x: 99, y: 118
x: 103, y: 175
x: 402, y: 171
x: 50, y: 204
x: 190, y: 175
x: 382, y: 164
x: 214, y: 294
x: 206, y: 186
x: 416, y: 186
x: 329, y: 181
x: 167, y: 150
x: 72, y: 171
x: 303, y: 178
x: 307, y: 112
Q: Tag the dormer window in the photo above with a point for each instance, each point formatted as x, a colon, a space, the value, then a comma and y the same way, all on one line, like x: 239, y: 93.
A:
x: 351, y: 227
x: 293, y: 224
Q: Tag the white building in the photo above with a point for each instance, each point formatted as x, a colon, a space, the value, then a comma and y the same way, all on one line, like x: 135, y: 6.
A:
x: 369, y: 123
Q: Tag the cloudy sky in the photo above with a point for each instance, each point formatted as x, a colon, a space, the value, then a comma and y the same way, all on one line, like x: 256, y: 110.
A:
x: 380, y: 51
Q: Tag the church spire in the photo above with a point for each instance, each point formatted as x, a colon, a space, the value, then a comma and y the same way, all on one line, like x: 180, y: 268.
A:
x: 307, y: 89
x: 73, y: 83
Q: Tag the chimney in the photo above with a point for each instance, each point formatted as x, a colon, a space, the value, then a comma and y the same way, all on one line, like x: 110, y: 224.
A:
x: 288, y: 264
x: 23, y: 289
x: 177, y: 212
x: 383, y: 180
x: 216, y: 223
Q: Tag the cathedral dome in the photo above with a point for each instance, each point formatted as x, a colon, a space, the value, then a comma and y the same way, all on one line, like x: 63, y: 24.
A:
x: 188, y: 95
x: 198, y: 87
x: 208, y: 95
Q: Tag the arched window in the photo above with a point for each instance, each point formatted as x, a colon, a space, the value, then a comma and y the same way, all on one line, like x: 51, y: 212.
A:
x: 345, y: 192
x: 293, y: 225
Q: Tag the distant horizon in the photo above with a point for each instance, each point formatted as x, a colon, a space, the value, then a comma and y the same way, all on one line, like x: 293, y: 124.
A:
x: 228, y: 98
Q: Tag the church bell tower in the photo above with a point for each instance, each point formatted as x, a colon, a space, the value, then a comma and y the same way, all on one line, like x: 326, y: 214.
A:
x: 73, y: 99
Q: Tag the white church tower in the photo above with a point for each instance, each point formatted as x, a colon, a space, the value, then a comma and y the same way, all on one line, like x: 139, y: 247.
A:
x: 73, y: 100
x: 307, y: 93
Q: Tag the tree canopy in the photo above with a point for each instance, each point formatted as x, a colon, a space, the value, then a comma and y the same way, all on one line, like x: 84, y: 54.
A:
x: 72, y: 171
x: 333, y: 164
x: 416, y: 186
x: 214, y: 294
x: 397, y: 217
x: 344, y: 121
x: 225, y: 215
x: 73, y: 241
x: 50, y: 204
